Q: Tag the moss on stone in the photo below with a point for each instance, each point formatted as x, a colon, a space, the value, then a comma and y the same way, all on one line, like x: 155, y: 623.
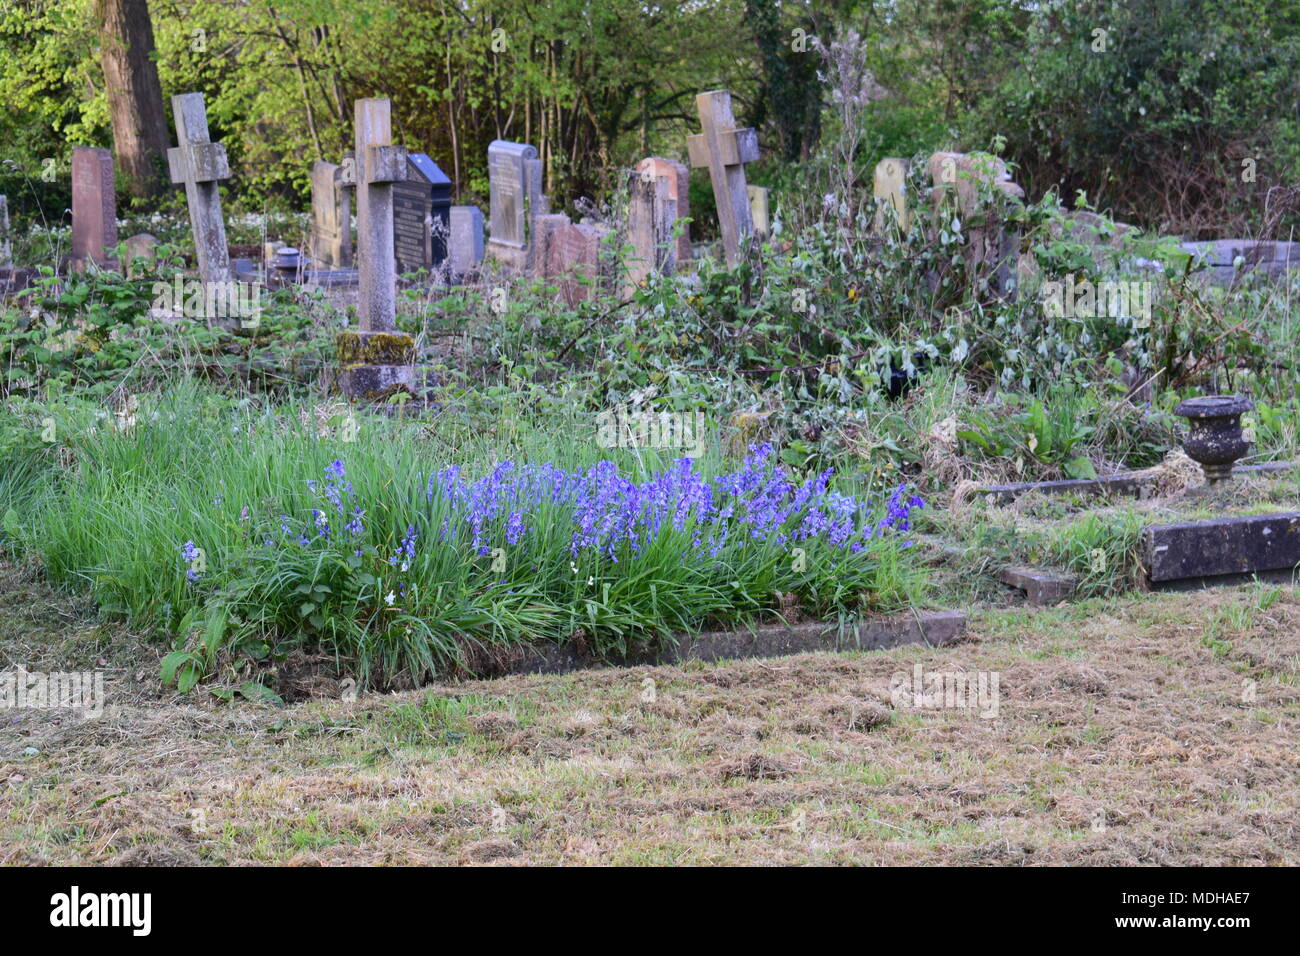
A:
x: 375, y: 348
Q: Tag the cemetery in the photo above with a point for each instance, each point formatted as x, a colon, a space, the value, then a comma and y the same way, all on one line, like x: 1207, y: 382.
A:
x: 887, y: 486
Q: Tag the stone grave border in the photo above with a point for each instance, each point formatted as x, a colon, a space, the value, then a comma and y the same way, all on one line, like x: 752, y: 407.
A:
x: 1134, y: 484
x: 927, y: 628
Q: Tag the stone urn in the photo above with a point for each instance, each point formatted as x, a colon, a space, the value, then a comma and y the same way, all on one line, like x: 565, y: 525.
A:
x: 1215, y: 440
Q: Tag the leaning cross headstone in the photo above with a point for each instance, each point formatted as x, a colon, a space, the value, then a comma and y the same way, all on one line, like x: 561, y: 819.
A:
x: 515, y: 178
x: 377, y: 359
x: 331, y: 217
x: 650, y: 217
x: 200, y: 164
x: 421, y: 215
x: 94, y: 207
x: 890, y: 188
x: 724, y: 150
x: 678, y: 177
x: 466, y: 249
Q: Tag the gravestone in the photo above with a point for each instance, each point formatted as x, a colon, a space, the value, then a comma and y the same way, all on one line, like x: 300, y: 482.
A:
x: 723, y: 150
x: 6, y: 245
x: 575, y: 254
x: 545, y: 227
x: 466, y: 251
x: 760, y: 210
x: 421, y: 215
x: 94, y: 207
x: 976, y: 188
x: 651, y: 213
x: 377, y: 359
x: 142, y: 245
x: 678, y: 177
x: 890, y: 188
x: 515, y: 176
x: 331, y: 217
x: 1227, y: 259
x: 201, y: 164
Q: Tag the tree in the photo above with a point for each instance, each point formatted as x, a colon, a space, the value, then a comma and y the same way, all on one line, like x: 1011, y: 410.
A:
x: 134, y: 94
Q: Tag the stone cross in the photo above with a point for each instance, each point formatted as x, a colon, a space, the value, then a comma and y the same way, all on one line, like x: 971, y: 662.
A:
x: 94, y: 206
x: 331, y: 217
x: 377, y: 360
x: 651, y: 213
x: 678, y: 177
x: 379, y: 164
x: 516, y: 200
x: 200, y: 164
x: 890, y: 187
x: 723, y: 150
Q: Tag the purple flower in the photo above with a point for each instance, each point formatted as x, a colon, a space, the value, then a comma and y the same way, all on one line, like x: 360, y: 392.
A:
x: 190, y: 554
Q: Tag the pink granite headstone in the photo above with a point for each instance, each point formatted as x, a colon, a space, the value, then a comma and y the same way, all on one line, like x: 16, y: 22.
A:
x: 94, y: 206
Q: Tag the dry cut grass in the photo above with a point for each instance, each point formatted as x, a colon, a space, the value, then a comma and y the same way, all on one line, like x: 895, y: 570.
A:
x: 1157, y: 729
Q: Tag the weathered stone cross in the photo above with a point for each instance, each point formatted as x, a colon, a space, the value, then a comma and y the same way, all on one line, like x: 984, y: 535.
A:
x: 724, y: 150
x: 379, y: 164
x: 377, y: 359
x: 200, y: 164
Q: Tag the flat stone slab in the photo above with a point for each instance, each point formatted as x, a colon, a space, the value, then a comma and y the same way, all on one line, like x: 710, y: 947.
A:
x: 934, y: 628
x: 331, y: 277
x: 1041, y: 587
x: 1225, y: 546
x: 1134, y: 484
x: 1112, y: 485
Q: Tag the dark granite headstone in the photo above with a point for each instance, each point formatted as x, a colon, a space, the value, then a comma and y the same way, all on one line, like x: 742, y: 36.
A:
x: 421, y: 215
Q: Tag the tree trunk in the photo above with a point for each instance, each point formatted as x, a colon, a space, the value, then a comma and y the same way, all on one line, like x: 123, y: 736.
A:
x: 135, y: 101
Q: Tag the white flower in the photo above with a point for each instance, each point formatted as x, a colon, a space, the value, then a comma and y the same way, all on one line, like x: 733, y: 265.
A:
x: 390, y: 598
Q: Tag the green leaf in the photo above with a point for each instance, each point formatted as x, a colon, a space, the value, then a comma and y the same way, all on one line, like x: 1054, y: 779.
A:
x: 189, y: 676
x: 259, y: 692
x: 171, y: 663
x: 1080, y: 467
